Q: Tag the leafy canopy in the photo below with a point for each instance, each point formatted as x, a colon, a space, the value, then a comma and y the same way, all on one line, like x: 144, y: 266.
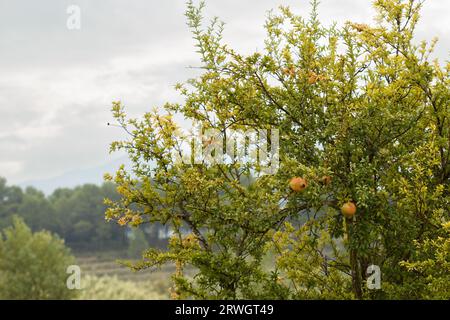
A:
x: 361, y: 104
x: 33, y: 265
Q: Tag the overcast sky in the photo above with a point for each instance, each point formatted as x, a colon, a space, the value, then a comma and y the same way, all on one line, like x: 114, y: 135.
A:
x: 57, y: 85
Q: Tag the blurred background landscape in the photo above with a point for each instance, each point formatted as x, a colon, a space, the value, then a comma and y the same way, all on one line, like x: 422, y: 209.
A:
x: 77, y: 216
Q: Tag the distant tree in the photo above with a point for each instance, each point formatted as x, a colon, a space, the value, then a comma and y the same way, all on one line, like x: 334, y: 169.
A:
x: 37, y: 211
x: 10, y: 200
x: 75, y: 214
x: 138, y: 243
x: 79, y: 212
x: 33, y: 265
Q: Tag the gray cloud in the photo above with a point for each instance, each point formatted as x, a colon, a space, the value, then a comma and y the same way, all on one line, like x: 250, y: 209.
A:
x: 56, y: 85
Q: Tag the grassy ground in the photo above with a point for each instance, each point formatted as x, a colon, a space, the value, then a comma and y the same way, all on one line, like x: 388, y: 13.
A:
x: 104, y: 278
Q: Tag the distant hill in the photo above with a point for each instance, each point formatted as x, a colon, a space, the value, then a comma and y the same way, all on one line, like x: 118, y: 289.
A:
x: 76, y: 177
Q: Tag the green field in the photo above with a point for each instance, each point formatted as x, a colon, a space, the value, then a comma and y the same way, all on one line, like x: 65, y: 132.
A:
x: 103, y: 277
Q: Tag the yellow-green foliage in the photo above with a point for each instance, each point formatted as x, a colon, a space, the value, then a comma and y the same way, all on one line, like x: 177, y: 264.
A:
x: 432, y: 265
x: 362, y: 104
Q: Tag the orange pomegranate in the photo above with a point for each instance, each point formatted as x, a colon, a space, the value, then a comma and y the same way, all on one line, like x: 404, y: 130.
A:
x: 348, y: 209
x: 298, y: 184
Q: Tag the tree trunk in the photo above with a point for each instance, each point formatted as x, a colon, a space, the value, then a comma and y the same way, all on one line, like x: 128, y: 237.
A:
x: 354, y: 263
x: 356, y: 274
